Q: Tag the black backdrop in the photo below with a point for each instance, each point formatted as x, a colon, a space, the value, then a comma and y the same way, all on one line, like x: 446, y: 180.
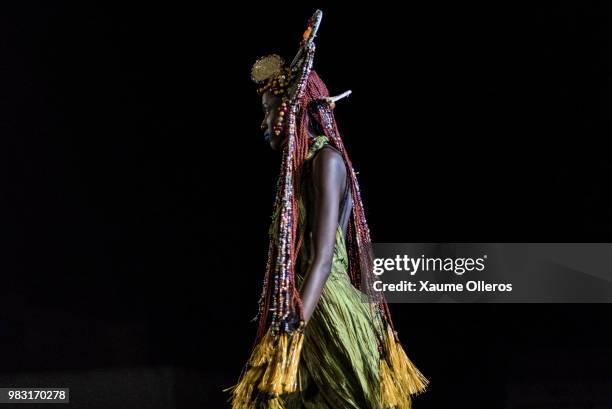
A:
x: 137, y: 187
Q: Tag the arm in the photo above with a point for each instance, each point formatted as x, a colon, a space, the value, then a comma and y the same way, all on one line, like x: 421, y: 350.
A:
x: 329, y: 176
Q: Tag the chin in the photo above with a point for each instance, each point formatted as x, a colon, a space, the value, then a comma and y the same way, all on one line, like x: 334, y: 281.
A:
x: 275, y: 142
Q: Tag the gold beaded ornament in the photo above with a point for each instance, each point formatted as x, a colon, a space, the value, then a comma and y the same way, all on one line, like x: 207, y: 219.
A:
x: 272, y: 75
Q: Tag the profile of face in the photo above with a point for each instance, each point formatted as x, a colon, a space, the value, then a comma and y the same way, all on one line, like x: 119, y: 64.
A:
x: 270, y: 104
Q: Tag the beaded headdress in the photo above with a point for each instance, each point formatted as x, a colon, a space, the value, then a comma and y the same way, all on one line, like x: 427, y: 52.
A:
x: 270, y: 71
x: 271, y: 74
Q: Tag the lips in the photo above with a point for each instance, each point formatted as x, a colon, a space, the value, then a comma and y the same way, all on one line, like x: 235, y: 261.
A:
x: 267, y: 136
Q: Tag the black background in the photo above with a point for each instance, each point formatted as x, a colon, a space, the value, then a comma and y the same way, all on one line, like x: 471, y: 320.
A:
x: 137, y: 187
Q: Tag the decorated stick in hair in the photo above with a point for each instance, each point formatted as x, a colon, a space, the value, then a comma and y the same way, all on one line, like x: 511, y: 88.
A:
x: 308, y: 43
x: 308, y: 37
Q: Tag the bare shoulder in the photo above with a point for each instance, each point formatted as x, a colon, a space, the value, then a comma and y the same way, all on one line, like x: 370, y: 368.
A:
x: 328, y: 167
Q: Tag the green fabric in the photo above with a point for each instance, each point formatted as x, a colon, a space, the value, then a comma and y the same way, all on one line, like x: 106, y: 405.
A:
x: 339, y: 366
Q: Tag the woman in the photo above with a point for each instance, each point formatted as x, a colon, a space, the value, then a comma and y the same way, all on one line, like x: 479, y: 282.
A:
x: 325, y: 343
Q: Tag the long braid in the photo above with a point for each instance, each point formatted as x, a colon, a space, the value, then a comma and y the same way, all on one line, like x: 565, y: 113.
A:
x: 358, y: 235
x: 280, y: 294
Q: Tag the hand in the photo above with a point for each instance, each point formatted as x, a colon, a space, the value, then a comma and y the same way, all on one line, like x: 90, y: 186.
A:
x: 294, y: 322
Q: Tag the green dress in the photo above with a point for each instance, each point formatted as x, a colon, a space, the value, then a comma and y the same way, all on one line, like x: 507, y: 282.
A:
x: 339, y: 364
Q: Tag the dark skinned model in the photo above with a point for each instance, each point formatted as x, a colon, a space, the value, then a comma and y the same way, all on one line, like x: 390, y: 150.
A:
x: 329, y: 179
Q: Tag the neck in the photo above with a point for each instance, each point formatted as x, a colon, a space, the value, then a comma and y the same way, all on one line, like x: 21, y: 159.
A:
x: 311, y: 135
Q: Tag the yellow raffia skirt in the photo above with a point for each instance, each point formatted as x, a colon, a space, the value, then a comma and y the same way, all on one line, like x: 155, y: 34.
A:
x: 335, y: 363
